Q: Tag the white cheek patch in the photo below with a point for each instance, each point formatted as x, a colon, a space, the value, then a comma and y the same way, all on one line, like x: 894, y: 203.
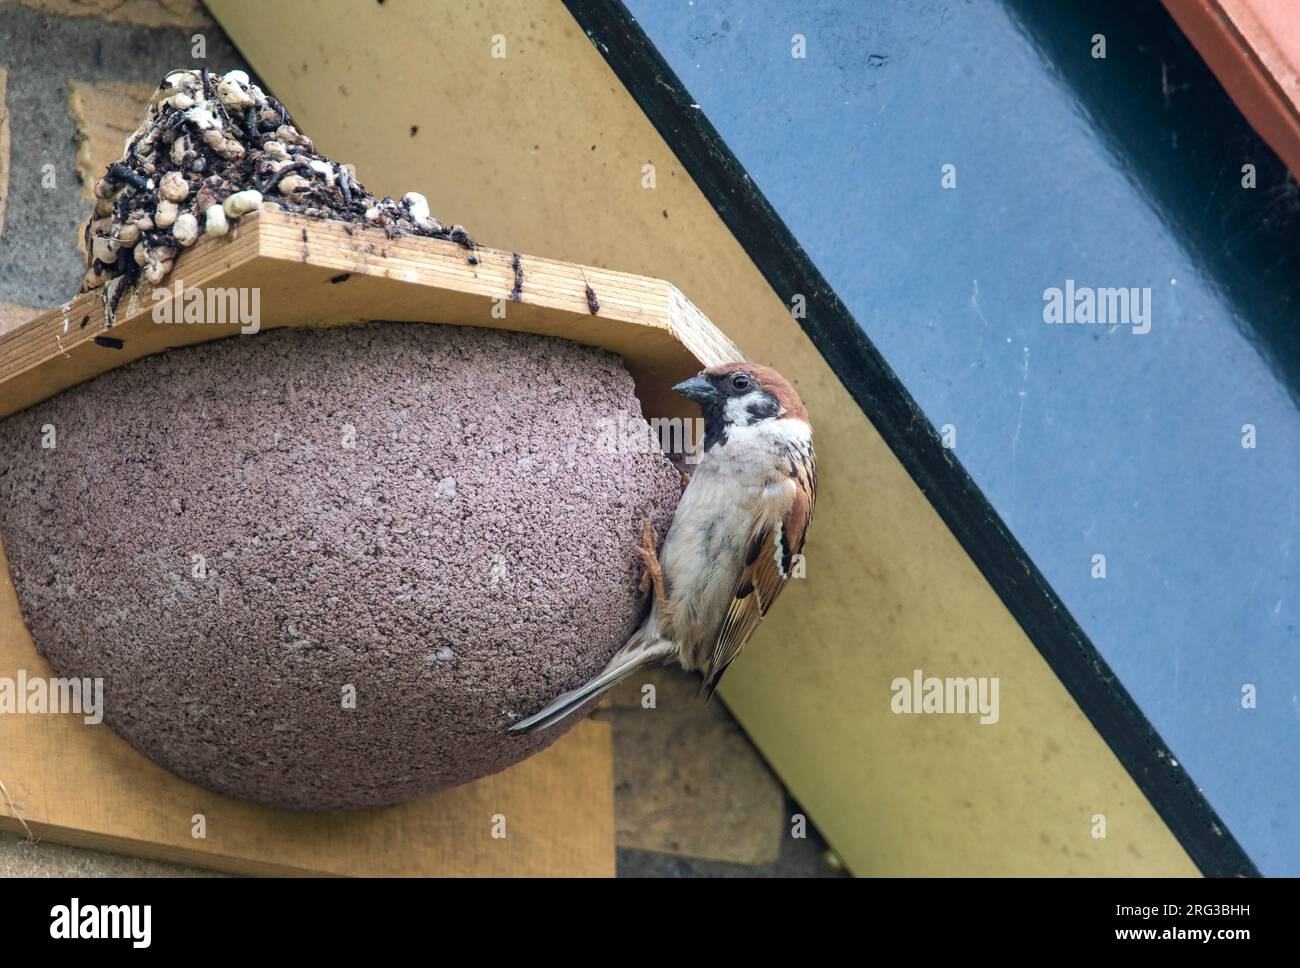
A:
x: 737, y: 408
x: 737, y: 411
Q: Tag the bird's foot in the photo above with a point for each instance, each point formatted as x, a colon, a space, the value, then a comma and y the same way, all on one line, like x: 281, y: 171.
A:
x: 653, y: 574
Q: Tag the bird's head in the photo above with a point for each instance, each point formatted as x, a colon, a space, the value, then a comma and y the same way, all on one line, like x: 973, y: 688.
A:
x: 741, y: 395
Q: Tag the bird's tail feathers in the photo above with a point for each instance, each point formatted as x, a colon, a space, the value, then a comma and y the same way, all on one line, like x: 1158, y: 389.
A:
x: 638, y: 652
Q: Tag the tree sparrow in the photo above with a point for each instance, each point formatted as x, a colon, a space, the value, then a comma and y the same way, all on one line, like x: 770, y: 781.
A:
x: 730, y: 549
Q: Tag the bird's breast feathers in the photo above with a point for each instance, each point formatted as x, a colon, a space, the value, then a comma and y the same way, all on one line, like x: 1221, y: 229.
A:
x: 739, y: 488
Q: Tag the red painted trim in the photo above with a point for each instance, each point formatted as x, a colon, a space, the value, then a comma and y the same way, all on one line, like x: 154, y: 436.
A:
x: 1253, y: 46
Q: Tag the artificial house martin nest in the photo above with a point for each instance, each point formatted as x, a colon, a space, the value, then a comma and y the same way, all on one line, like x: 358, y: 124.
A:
x: 211, y: 149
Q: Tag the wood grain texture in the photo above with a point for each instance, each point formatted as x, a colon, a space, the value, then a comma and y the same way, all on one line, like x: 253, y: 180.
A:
x: 318, y: 273
x: 82, y: 785
x: 13, y: 315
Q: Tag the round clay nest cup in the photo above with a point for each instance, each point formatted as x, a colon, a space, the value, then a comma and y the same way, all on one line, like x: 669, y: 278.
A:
x: 238, y: 535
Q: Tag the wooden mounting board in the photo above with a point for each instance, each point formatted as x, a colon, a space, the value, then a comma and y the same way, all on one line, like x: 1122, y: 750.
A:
x: 87, y: 787
x: 292, y: 260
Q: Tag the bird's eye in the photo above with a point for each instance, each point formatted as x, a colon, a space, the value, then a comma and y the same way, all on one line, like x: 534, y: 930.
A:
x: 740, y: 381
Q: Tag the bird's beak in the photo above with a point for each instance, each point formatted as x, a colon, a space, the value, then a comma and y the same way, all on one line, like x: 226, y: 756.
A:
x: 698, y: 389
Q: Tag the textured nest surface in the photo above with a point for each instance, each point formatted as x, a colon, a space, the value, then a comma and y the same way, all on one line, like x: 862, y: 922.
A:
x: 470, y: 557
x: 210, y: 150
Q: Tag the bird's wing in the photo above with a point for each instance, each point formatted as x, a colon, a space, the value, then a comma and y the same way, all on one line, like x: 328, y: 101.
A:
x: 777, y: 537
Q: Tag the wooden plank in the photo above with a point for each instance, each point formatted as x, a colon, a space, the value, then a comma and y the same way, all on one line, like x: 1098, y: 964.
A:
x: 83, y: 785
x: 311, y: 272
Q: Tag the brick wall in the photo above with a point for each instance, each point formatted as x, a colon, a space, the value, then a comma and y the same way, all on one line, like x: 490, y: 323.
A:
x: 75, y: 76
